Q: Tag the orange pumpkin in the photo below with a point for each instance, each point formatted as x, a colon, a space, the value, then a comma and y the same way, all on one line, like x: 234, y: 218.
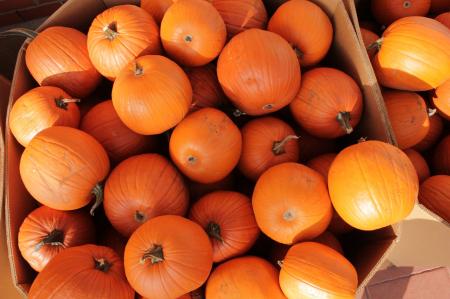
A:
x: 291, y: 203
x: 434, y: 194
x: 197, y: 190
x: 58, y: 56
x: 63, y: 167
x: 118, y: 36
x: 206, y: 145
x: 438, y: 6
x: 372, y: 184
x: 435, y: 131
x: 329, y: 103
x: 269, y: 72
x: 369, y: 38
x: 266, y: 142
x: 152, y: 95
x: 387, y: 11
x: 441, y: 158
x: 156, y: 8
x: 312, y: 270
x: 306, y: 27
x: 444, y: 18
x: 192, y: 32
x: 322, y: 164
x: 41, y: 108
x: 421, y: 166
x: 86, y: 271
x: 441, y: 99
x: 196, y: 294
x: 413, y: 55
x: 167, y: 257
x: 143, y: 187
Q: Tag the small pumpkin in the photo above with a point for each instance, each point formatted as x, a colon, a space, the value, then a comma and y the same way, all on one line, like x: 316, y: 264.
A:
x: 441, y: 99
x: 435, y: 131
x: 197, y: 190
x: 438, y: 6
x: 387, y: 11
x: 444, y: 18
x: 329, y: 103
x: 192, y: 32
x: 322, y: 164
x: 420, y: 164
x: 156, y: 8
x: 40, y: 108
x: 441, y: 157
x: 118, y: 36
x: 369, y: 38
x: 434, y: 194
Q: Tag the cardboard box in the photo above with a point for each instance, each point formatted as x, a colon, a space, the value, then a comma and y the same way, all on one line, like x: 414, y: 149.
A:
x: 365, y: 250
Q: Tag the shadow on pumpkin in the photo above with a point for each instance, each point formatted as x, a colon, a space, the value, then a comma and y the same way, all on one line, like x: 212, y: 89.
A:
x: 77, y: 84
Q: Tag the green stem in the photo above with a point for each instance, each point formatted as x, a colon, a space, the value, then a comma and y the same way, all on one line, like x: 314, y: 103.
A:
x: 278, y: 146
x: 343, y: 119
x: 54, y: 238
x: 19, y: 32
x: 98, y: 193
x: 155, y: 255
x: 213, y: 230
x: 63, y: 103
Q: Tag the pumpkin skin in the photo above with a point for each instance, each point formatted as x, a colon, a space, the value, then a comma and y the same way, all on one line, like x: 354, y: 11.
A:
x: 99, y: 270
x: 62, y: 167
x: 312, y: 270
x: 58, y: 57
x: 322, y: 108
x: 413, y: 55
x: 369, y: 38
x: 152, y: 95
x: 444, y: 18
x: 421, y: 166
x: 192, y: 32
x: 244, y: 277
x: 118, y: 36
x: 438, y: 6
x: 268, y: 80
x: 181, y: 262
x: 206, y: 145
x: 435, y: 131
x: 156, y: 8
x: 40, y: 108
x: 434, y: 194
x: 441, y: 157
x: 306, y: 27
x: 291, y: 203
x: 312, y: 146
x: 387, y: 11
x: 46, y: 232
x: 441, y: 100
x: 372, y: 184
x: 143, y: 187
x: 266, y: 142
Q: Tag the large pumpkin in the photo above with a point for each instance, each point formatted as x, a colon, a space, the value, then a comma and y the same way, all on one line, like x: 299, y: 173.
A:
x: 167, y: 257
x: 268, y: 79
x: 441, y: 99
x: 118, y: 36
x: 369, y: 38
x: 156, y: 8
x: 192, y: 32
x: 435, y: 131
x: 444, y: 18
x: 441, y: 157
x: 143, y: 187
x: 206, y: 145
x: 387, y: 11
x: 434, y: 194
x: 86, y: 271
x: 152, y: 95
x: 40, y: 108
x: 329, y: 103
x: 306, y: 27
x: 413, y: 55
x: 420, y: 164
x: 372, y: 184
x: 63, y: 168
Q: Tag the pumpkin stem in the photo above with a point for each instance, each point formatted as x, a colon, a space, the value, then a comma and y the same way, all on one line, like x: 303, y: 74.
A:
x: 140, y: 217
x: 376, y: 44
x: 111, y: 31
x: 138, y: 69
x: 343, y: 119
x: 362, y: 139
x: 192, y: 159
x: 299, y: 53
x: 19, y: 32
x: 431, y: 112
x: 102, y: 264
x: 407, y: 4
x: 280, y: 263
x: 278, y: 146
x: 237, y: 113
x: 213, y: 230
x: 268, y: 107
x: 54, y: 238
x: 188, y: 38
x: 155, y: 255
x: 98, y: 193
x: 62, y: 102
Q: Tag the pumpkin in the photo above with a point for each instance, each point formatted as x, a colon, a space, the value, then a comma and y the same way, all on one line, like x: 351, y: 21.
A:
x: 268, y: 80
x: 421, y: 166
x: 438, y: 6
x: 40, y: 108
x: 435, y: 131
x: 313, y: 146
x: 244, y: 277
x: 434, y: 194
x: 156, y: 8
x: 63, y: 168
x: 86, y: 271
x: 45, y: 232
x: 322, y: 164
x: 109, y: 237
x: 329, y: 103
x: 291, y: 203
x: 266, y: 142
x: 143, y: 187
x: 444, y: 18
x: 387, y: 11
x: 240, y: 15
x: 306, y: 27
x: 197, y: 190
x: 372, y: 184
x: 369, y: 38
x: 228, y: 219
x: 413, y: 55
x: 167, y: 257
x: 118, y: 36
x: 441, y: 99
x: 206, y: 145
x: 441, y: 157
x: 196, y: 294
x: 151, y: 95
x: 313, y: 270
x: 192, y: 32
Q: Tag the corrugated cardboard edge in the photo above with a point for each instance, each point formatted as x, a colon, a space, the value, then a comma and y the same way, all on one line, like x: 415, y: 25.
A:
x: 5, y: 86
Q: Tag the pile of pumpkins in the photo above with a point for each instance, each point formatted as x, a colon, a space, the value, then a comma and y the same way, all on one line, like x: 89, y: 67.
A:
x: 184, y: 167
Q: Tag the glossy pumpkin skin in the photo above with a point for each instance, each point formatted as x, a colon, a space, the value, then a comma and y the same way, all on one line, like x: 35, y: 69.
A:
x: 327, y: 95
x: 444, y: 18
x: 40, y: 108
x: 413, y: 55
x: 62, y: 167
x: 387, y: 11
x: 369, y: 38
x: 156, y: 8
x: 420, y: 164
x: 305, y: 26
x: 206, y: 145
x: 441, y: 157
x: 143, y: 187
x: 118, y: 36
x: 268, y: 80
x: 192, y: 32
x: 311, y: 270
x: 244, y: 277
x: 99, y: 270
x: 58, y: 57
x: 266, y: 142
x: 291, y: 203
x: 152, y: 95
x: 372, y: 184
x: 441, y: 99
x: 434, y: 194
x: 46, y: 232
x: 181, y: 264
x: 435, y: 131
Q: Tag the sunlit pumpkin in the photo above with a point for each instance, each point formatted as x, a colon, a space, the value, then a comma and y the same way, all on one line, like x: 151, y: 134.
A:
x: 387, y: 11
x: 444, y: 18
x: 156, y: 8
x: 441, y: 100
x: 441, y: 157
x: 420, y: 164
x: 369, y: 38
x: 434, y: 194
x: 435, y: 131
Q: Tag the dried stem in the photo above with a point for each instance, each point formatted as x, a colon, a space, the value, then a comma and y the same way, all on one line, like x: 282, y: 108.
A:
x: 278, y: 146
x: 343, y: 119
